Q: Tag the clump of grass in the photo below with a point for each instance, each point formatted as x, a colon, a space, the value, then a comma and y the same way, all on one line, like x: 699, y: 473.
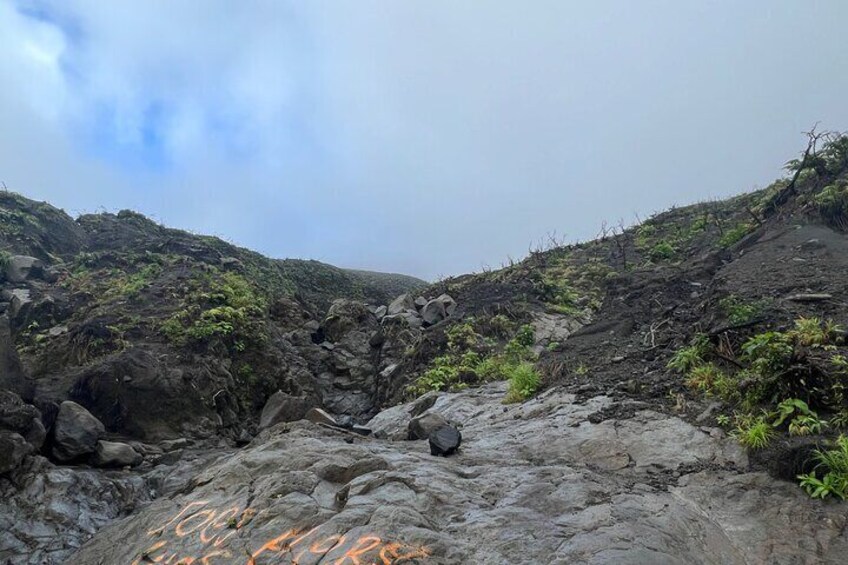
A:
x: 734, y: 235
x: 687, y: 358
x: 524, y: 381
x: 753, y: 432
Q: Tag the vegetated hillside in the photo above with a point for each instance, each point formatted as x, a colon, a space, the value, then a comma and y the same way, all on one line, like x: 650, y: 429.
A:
x: 144, y: 323
x: 727, y: 311
x: 667, y: 393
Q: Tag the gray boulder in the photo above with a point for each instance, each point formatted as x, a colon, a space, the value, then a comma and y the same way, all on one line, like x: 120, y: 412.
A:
x: 19, y: 302
x: 115, y: 454
x: 433, y: 312
x: 76, y: 432
x: 450, y: 304
x: 380, y: 311
x: 13, y: 449
x: 420, y: 302
x: 406, y: 318
x: 400, y: 304
x: 283, y: 407
x: 421, y: 426
x: 344, y: 316
x: 19, y: 268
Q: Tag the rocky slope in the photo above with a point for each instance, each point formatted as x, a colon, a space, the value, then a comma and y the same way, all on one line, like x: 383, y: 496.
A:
x: 174, y: 399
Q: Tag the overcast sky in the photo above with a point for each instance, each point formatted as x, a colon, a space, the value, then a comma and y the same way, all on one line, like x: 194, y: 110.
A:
x: 426, y: 137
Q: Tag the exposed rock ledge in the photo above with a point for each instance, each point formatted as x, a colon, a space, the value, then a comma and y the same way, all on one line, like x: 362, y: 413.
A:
x: 533, y: 483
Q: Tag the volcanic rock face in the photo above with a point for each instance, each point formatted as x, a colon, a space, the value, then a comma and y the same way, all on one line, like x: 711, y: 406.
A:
x: 536, y: 483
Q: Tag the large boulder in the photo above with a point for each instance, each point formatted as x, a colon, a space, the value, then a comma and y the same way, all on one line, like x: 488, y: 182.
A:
x: 19, y: 268
x: 13, y: 449
x: 402, y: 303
x: 283, y: 407
x: 346, y: 315
x: 76, y: 432
x: 115, y: 454
x: 421, y: 426
x: 433, y: 312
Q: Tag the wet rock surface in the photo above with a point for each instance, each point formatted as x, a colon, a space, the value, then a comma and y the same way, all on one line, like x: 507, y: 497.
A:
x: 537, y: 482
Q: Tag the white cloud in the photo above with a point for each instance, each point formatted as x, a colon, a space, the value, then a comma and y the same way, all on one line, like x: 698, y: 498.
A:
x: 429, y: 137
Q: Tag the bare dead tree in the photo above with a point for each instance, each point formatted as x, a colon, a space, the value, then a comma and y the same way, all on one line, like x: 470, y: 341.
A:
x: 799, y: 165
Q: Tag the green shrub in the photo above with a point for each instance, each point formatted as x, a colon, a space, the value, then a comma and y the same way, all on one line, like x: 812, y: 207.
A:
x: 830, y: 476
x: 462, y: 336
x: 740, y: 312
x: 662, y: 251
x: 803, y: 420
x: 811, y: 332
x: 768, y: 352
x: 229, y: 312
x: 524, y: 381
x: 687, y: 358
x: 832, y: 204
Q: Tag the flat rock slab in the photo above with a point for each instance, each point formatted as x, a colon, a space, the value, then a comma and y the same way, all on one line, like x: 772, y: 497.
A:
x: 534, y: 483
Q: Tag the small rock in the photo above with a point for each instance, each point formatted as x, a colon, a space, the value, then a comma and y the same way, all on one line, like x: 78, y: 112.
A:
x: 173, y: 444
x: 56, y: 331
x: 708, y: 412
x: 388, y: 371
x: 13, y: 449
x: 408, y: 318
x: 361, y: 430
x: 422, y: 426
x: 420, y: 302
x: 377, y: 339
x: 244, y: 438
x: 319, y: 416
x: 445, y: 440
x: 76, y: 432
x: 115, y: 454
x: 381, y: 311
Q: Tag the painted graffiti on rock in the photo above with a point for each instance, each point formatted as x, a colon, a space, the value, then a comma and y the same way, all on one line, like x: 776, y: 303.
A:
x: 214, y: 527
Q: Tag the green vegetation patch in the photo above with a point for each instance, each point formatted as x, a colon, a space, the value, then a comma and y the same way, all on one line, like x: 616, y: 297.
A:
x: 221, y: 308
x: 779, y: 383
x: 472, y: 359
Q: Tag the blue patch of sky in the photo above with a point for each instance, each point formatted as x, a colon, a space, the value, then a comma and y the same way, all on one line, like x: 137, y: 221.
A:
x: 143, y: 149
